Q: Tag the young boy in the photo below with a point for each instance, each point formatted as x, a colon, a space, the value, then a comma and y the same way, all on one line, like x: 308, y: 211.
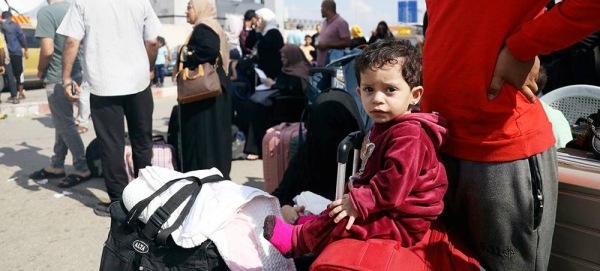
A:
x: 307, y: 48
x: 399, y: 189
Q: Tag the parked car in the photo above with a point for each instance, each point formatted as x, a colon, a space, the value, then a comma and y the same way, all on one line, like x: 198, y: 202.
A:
x: 172, y: 60
x: 31, y: 63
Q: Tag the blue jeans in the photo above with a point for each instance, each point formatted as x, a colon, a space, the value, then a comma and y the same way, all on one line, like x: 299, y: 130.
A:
x: 66, y: 135
x: 159, y: 73
x: 11, y: 81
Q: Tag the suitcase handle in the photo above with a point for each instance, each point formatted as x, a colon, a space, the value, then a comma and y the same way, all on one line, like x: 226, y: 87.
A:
x: 353, y: 141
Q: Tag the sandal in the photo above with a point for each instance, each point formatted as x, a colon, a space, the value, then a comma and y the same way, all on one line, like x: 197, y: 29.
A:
x: 21, y: 96
x: 252, y: 157
x: 72, y: 180
x: 81, y: 129
x: 43, y: 174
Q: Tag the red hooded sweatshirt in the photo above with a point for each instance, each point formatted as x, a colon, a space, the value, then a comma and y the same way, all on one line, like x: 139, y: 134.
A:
x: 463, y: 41
x: 400, y: 190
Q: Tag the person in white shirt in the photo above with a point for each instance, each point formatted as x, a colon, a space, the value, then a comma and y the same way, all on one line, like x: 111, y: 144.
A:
x: 119, y: 43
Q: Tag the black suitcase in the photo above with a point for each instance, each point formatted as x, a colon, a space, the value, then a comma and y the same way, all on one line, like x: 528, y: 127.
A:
x: 133, y: 245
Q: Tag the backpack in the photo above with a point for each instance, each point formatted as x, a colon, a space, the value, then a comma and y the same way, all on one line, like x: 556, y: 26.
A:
x: 92, y: 158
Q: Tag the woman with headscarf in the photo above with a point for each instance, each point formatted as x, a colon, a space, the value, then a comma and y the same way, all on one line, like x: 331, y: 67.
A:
x: 358, y: 40
x: 233, y: 29
x: 206, y: 125
x: 291, y: 80
x: 270, y: 41
x: 382, y: 32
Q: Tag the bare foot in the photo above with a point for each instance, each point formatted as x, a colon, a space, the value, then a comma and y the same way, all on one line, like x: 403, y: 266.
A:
x: 52, y: 170
x: 251, y: 157
x: 84, y: 174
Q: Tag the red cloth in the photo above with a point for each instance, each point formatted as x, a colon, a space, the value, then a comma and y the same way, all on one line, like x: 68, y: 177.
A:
x: 438, y: 251
x: 400, y: 191
x: 463, y: 41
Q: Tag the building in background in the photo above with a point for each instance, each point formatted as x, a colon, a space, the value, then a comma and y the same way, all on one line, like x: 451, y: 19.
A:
x: 173, y: 11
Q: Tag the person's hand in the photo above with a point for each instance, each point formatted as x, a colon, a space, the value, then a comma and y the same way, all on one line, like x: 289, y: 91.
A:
x: 260, y: 25
x: 269, y: 82
x: 69, y: 94
x: 26, y: 54
x: 40, y: 74
x: 291, y: 214
x: 151, y: 74
x: 2, y: 69
x: 343, y: 208
x: 519, y: 74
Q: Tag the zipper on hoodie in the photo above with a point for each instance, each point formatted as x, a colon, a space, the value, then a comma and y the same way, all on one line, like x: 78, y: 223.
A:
x: 536, y: 188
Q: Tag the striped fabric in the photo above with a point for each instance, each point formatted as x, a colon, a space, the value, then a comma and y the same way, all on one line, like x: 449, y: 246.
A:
x: 115, y: 61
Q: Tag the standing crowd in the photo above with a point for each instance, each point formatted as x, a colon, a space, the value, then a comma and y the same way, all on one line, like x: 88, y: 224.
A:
x: 484, y: 162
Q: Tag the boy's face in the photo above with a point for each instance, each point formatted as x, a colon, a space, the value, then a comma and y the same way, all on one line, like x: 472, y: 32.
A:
x: 384, y: 93
x: 307, y: 40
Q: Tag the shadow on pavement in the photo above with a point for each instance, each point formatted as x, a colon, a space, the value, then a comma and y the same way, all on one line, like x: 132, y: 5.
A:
x: 29, y: 160
x: 46, y: 121
x: 255, y: 182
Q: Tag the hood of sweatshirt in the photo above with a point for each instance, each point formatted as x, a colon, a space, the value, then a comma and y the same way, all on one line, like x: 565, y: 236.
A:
x: 433, y: 124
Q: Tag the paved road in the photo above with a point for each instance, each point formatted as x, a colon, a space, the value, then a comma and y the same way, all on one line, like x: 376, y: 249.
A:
x: 45, y: 227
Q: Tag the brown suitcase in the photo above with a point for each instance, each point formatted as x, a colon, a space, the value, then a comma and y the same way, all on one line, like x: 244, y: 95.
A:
x: 276, y: 152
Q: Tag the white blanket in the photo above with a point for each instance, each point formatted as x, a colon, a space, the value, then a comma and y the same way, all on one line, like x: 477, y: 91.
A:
x: 313, y: 203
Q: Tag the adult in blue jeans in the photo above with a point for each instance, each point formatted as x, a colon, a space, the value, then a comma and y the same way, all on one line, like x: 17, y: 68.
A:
x: 50, y: 71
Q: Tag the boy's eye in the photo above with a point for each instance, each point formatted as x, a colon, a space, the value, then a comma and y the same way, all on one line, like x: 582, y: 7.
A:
x: 391, y: 89
x: 367, y: 89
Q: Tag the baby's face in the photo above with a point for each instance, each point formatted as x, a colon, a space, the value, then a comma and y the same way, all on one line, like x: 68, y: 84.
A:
x: 384, y: 93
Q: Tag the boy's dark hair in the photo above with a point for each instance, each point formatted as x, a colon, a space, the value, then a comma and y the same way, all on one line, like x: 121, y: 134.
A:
x: 161, y: 40
x: 386, y: 52
x: 249, y: 14
x: 308, y: 36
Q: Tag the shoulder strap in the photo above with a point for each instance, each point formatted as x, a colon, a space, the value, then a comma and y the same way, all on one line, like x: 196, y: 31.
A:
x: 187, y: 42
x: 135, y: 211
x: 163, y: 213
x: 163, y: 235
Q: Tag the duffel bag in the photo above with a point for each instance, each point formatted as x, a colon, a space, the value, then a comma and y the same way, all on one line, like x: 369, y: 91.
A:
x: 437, y: 251
x: 133, y: 245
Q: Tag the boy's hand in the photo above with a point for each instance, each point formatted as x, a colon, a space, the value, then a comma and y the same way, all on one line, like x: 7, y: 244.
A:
x: 342, y: 208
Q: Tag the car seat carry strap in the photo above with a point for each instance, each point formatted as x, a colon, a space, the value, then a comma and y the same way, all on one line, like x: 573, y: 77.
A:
x: 162, y: 214
x: 163, y: 236
x: 134, y: 212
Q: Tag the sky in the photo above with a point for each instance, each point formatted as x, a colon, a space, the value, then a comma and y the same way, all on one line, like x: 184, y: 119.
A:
x: 365, y: 13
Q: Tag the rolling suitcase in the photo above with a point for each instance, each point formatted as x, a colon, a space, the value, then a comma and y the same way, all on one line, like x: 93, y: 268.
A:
x: 163, y: 155
x: 437, y: 251
x: 276, y: 152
